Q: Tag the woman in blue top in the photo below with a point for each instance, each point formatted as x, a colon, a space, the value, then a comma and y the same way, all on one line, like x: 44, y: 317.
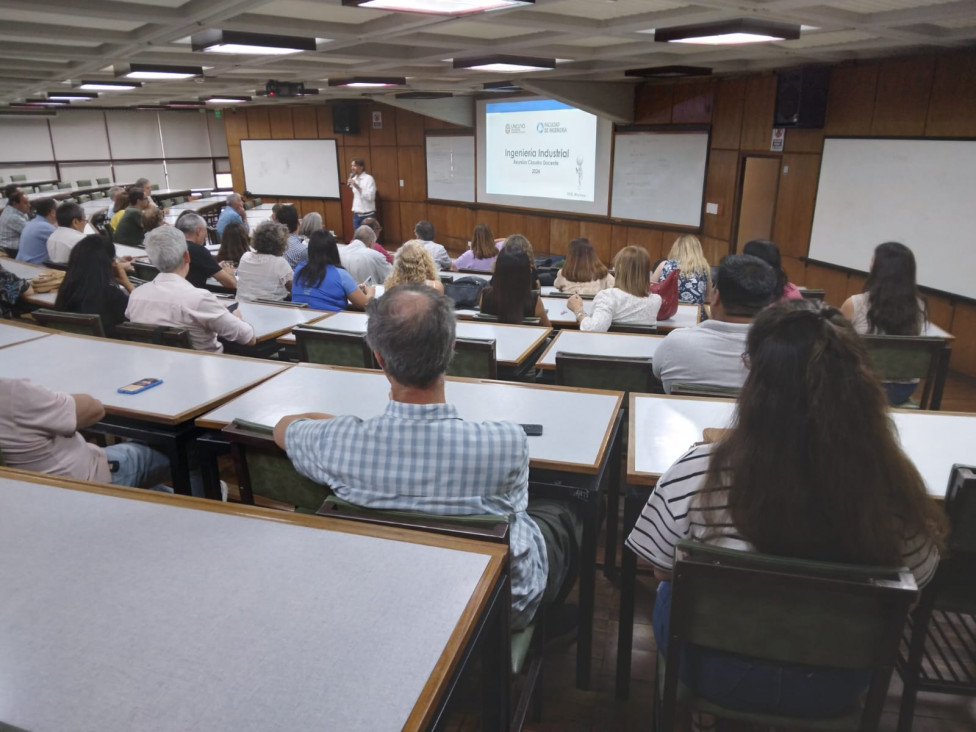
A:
x: 322, y: 282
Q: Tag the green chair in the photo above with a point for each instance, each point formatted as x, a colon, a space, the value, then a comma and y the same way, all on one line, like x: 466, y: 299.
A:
x: 18, y: 178
x: 474, y: 358
x: 46, y: 187
x: 103, y: 181
x: 248, y: 205
x: 154, y: 187
x: 97, y: 195
x: 939, y: 649
x: 332, y: 347
x: 256, y: 201
x: 904, y: 358
x: 787, y: 611
x: 494, y: 318
x: 630, y: 328
x: 815, y: 295
x: 159, y: 335
x: 63, y: 185
x: 88, y: 324
x: 84, y: 198
x: 84, y: 183
x: 710, y: 391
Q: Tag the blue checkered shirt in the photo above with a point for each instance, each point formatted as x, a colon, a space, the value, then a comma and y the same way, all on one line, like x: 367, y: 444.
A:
x: 297, y: 251
x: 424, y: 457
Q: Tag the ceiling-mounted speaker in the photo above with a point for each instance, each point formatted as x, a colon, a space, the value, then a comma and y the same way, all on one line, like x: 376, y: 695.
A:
x: 801, y: 97
x: 345, y: 119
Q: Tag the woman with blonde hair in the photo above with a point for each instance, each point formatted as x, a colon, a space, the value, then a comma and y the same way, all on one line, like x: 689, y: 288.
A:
x: 413, y: 263
x: 694, y: 277
x: 583, y: 273
x: 629, y: 302
x: 481, y: 256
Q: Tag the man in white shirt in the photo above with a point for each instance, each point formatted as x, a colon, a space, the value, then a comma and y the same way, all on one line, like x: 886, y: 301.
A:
x: 172, y: 301
x: 362, y: 261
x: 70, y: 231
x: 14, y: 217
x: 424, y: 230
x: 711, y: 353
x: 363, y: 188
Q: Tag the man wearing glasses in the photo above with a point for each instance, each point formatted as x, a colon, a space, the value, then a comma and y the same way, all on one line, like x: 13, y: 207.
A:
x: 71, y: 227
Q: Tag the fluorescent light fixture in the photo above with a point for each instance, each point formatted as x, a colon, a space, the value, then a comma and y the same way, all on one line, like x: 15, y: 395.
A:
x: 158, y: 72
x: 45, y: 103
x: 424, y: 95
x: 369, y: 81
x: 221, y: 99
x: 254, y: 44
x: 505, y: 64
x: 109, y: 85
x: 727, y: 32
x: 659, y: 72
x: 185, y: 105
x: 506, y: 86
x: 437, y: 7
x: 72, y: 96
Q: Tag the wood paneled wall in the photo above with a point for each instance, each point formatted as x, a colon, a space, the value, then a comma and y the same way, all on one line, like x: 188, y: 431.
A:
x: 917, y: 96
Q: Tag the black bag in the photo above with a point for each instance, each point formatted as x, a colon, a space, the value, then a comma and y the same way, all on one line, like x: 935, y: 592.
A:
x: 465, y: 291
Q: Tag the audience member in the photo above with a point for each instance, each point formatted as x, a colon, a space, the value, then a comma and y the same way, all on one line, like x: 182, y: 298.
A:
x: 113, y: 193
x: 264, y: 274
x: 811, y: 469
x: 711, y: 352
x: 694, y: 272
x: 510, y: 296
x: 234, y: 244
x: 481, y: 255
x: 170, y: 300
x: 203, y: 266
x: 361, y: 260
x: 322, y: 282
x: 146, y: 187
x: 518, y: 241
x: 152, y: 218
x: 424, y: 230
x: 33, y: 239
x: 311, y: 222
x: 12, y: 288
x: 583, y: 273
x: 377, y: 229
x: 128, y: 229
x: 295, y: 250
x: 70, y: 231
x: 14, y: 216
x: 421, y: 456
x: 629, y: 302
x: 768, y: 252
x: 413, y: 264
x: 95, y: 283
x: 234, y: 212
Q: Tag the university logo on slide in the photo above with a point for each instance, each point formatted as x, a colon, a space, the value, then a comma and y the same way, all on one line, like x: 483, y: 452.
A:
x: 540, y: 128
x: 508, y: 128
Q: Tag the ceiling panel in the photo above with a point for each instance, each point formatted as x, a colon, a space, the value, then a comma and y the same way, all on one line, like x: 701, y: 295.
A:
x: 604, y: 10
x: 63, y: 23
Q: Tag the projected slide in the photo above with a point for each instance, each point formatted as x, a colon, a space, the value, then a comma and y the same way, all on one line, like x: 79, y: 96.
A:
x: 540, y: 148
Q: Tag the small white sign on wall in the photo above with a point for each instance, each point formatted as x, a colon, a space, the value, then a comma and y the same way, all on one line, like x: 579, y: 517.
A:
x: 779, y: 137
x: 377, y: 120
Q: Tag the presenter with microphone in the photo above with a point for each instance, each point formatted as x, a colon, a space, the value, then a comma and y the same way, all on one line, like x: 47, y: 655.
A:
x: 363, y: 193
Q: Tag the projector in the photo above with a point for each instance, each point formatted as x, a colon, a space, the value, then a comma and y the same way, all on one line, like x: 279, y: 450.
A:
x: 284, y: 88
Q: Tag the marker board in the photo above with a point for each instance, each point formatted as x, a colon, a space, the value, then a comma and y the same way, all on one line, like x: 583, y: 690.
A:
x: 298, y: 168
x: 450, y: 167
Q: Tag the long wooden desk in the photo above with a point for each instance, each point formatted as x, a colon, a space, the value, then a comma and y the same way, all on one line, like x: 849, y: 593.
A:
x: 570, y: 458
x: 129, y: 610
x: 628, y: 345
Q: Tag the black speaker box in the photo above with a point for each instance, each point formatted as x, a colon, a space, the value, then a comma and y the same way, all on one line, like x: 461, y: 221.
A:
x: 801, y: 97
x: 345, y: 119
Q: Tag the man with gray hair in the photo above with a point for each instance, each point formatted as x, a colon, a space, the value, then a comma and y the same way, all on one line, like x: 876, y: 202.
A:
x: 362, y: 261
x: 170, y: 300
x: 233, y: 212
x: 419, y: 455
x: 203, y: 265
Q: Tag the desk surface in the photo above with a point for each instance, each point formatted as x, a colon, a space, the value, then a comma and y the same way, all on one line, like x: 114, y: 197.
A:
x: 662, y: 428
x: 572, y: 445
x: 126, y: 610
x: 193, y: 382
x: 629, y: 345
x: 271, y: 321
x: 11, y: 334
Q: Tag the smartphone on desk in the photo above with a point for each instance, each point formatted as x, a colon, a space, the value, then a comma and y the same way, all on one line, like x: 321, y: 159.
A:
x: 139, y: 386
x: 532, y: 430
x: 233, y: 306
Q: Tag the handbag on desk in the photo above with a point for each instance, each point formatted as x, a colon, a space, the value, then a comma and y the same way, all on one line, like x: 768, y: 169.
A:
x: 668, y: 291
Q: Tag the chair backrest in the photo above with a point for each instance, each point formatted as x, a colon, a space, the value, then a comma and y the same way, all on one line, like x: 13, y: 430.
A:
x: 960, y: 505
x: 213, y: 236
x: 103, y: 181
x: 18, y: 178
x: 88, y: 324
x: 248, y: 205
x: 630, y: 328
x: 84, y: 182
x: 46, y: 187
x: 900, y: 358
x: 256, y: 201
x: 166, y: 203
x: 705, y: 390
x: 144, y: 271
x: 63, y: 185
x: 333, y: 347
x: 475, y: 358
x: 618, y: 373
x: 494, y: 318
x: 84, y: 198
x: 160, y: 335
x: 154, y: 187
x: 97, y: 195
x: 816, y: 295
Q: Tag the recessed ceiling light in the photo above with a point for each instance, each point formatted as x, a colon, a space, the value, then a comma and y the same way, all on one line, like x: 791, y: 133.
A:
x: 158, y: 72
x: 503, y: 63
x: 73, y: 96
x: 369, y: 81
x: 438, y: 7
x: 256, y: 44
x: 109, y: 85
x: 668, y: 71
x: 726, y: 32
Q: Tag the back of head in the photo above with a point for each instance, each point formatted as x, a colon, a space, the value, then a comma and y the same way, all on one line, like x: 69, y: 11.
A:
x: 89, y: 273
x: 270, y: 238
x: 517, y: 241
x: 69, y: 212
x: 768, y: 252
x: 412, y: 329
x: 511, y: 284
x: 288, y: 215
x: 45, y: 206
x: 894, y: 307
x: 166, y: 247
x: 424, y: 230
x: 311, y: 222
x: 10, y: 192
x: 412, y: 263
x: 745, y: 285
x: 189, y: 222
x: 483, y: 243
x: 151, y: 218
x: 687, y: 252
x: 136, y: 194
x: 233, y: 199
x: 813, y: 467
x: 374, y: 225
x: 322, y: 253
x: 141, y: 182
x: 582, y: 263
x: 365, y: 234
x: 234, y: 243
x: 633, y: 271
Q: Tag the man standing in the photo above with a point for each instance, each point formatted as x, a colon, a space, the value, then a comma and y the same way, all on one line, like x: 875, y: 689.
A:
x: 170, y: 300
x: 711, y: 353
x: 234, y: 211
x: 70, y: 231
x: 363, y: 189
x: 33, y: 239
x: 14, y: 217
x: 202, y: 262
x: 128, y: 229
x: 420, y: 455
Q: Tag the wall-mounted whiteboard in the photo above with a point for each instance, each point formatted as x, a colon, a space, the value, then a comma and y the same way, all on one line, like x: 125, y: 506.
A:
x: 299, y: 168
x: 917, y: 192
x: 659, y: 177
x: 450, y: 167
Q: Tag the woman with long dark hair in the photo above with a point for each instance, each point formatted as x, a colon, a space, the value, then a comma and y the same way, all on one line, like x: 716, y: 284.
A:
x: 234, y: 244
x: 510, y: 296
x: 583, y: 273
x: 768, y: 252
x: 95, y: 283
x: 812, y: 469
x: 322, y: 282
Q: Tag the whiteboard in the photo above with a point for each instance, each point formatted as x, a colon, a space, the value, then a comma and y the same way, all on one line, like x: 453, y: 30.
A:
x: 299, y: 168
x: 659, y: 177
x: 917, y: 192
x: 450, y: 167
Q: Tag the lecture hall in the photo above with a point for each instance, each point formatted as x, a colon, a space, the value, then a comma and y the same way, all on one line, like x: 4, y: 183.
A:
x: 487, y: 364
